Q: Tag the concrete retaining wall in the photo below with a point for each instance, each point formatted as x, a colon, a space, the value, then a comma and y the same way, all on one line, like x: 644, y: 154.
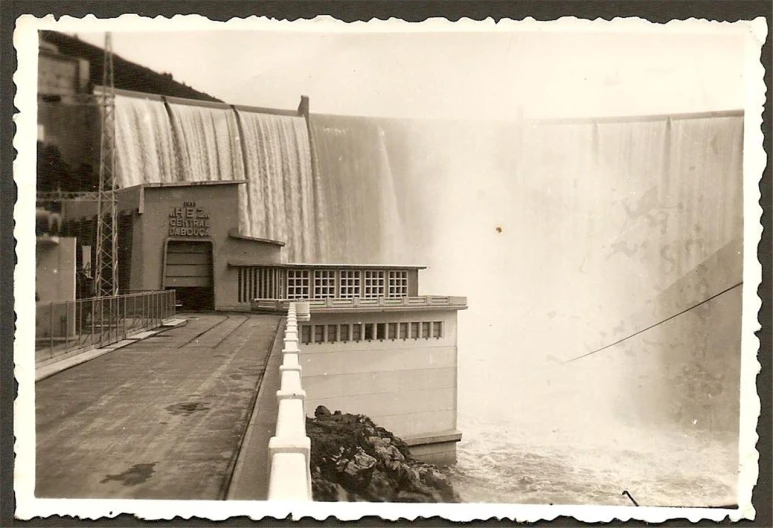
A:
x: 408, y: 386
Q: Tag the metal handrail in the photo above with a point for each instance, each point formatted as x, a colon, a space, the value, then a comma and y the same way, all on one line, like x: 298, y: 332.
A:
x: 63, y: 326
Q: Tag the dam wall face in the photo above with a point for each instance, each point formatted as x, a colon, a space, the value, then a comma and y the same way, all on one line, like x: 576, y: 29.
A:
x: 608, y: 228
x: 568, y: 236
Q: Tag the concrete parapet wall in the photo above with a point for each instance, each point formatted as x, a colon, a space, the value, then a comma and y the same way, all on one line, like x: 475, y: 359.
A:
x: 407, y: 385
x: 289, y: 450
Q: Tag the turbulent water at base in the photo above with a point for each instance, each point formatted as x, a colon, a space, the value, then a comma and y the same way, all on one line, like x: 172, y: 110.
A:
x: 504, y: 462
x: 565, y: 237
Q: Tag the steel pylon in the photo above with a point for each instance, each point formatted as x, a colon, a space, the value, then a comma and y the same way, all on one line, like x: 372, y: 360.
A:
x: 106, y: 263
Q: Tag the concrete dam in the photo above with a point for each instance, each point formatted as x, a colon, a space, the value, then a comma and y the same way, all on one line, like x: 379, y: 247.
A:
x: 628, y: 208
x: 602, y: 258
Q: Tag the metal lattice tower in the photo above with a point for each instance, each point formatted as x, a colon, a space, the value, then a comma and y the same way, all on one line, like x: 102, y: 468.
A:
x: 106, y: 265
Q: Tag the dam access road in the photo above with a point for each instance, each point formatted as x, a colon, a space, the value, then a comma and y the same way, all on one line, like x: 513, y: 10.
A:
x: 165, y: 417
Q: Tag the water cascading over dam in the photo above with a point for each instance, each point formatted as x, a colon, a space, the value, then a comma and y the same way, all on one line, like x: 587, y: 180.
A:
x: 207, y: 143
x: 367, y: 209
x: 606, y: 226
x: 145, y: 150
x: 282, y: 200
x: 570, y: 235
x: 174, y: 141
x: 338, y: 204
x: 566, y: 236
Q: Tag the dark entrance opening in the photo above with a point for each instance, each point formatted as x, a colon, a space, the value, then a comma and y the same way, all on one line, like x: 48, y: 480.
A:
x: 189, y: 272
x: 194, y: 299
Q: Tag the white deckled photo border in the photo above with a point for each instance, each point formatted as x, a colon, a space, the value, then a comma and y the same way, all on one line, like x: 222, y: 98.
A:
x: 25, y: 78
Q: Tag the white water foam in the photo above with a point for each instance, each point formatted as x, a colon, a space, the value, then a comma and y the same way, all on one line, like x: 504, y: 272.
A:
x: 508, y: 462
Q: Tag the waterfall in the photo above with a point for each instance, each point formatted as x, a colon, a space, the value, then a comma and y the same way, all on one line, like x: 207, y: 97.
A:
x: 208, y: 143
x: 362, y: 221
x: 162, y: 142
x: 144, y: 143
x: 279, y: 200
x: 565, y: 236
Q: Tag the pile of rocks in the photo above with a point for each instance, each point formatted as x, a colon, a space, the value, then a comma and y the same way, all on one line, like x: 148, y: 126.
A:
x: 352, y: 459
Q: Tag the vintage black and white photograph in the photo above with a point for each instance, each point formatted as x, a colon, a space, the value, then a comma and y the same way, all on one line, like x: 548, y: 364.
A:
x: 439, y: 263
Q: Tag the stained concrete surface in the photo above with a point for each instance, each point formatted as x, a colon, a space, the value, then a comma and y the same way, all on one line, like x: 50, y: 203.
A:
x: 162, y: 418
x: 251, y: 475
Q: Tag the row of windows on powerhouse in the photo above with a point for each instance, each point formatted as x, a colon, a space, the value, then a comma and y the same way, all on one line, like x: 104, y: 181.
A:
x: 368, y: 331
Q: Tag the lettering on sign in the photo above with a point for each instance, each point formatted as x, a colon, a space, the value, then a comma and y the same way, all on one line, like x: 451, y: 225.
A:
x: 188, y: 220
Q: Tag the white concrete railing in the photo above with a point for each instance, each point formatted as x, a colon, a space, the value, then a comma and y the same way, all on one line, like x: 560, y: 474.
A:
x: 289, y: 450
x: 361, y: 302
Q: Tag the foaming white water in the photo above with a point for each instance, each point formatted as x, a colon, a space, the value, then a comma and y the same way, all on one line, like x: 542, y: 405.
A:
x: 280, y: 201
x: 144, y: 142
x: 529, y: 463
x: 158, y: 143
x: 208, y: 143
x: 362, y: 221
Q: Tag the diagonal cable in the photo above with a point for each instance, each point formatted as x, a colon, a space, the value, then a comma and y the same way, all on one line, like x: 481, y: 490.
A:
x: 653, y: 325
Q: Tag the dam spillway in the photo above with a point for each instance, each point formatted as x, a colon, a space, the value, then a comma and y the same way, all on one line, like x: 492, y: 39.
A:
x: 619, y: 213
x: 345, y: 211
x: 163, y: 141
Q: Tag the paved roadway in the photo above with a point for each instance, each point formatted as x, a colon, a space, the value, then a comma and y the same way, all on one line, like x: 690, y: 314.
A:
x: 162, y: 418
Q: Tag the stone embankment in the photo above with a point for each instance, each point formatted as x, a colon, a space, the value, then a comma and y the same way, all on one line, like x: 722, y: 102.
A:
x: 352, y: 459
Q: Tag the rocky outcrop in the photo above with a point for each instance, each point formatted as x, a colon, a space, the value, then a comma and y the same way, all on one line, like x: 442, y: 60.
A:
x: 352, y: 459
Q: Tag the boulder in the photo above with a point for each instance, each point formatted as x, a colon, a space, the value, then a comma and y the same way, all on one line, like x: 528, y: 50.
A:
x: 353, y: 459
x: 321, y: 412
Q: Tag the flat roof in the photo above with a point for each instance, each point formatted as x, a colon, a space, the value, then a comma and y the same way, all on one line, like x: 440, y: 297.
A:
x: 235, y: 234
x: 188, y: 184
x: 242, y: 263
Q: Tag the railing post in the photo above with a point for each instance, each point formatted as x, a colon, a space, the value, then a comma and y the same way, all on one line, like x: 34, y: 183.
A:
x: 122, y: 311
x: 101, y: 319
x: 93, y: 318
x: 110, y: 319
x: 67, y: 325
x: 79, y: 320
x: 113, y: 334
x: 114, y: 315
x: 51, y: 329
